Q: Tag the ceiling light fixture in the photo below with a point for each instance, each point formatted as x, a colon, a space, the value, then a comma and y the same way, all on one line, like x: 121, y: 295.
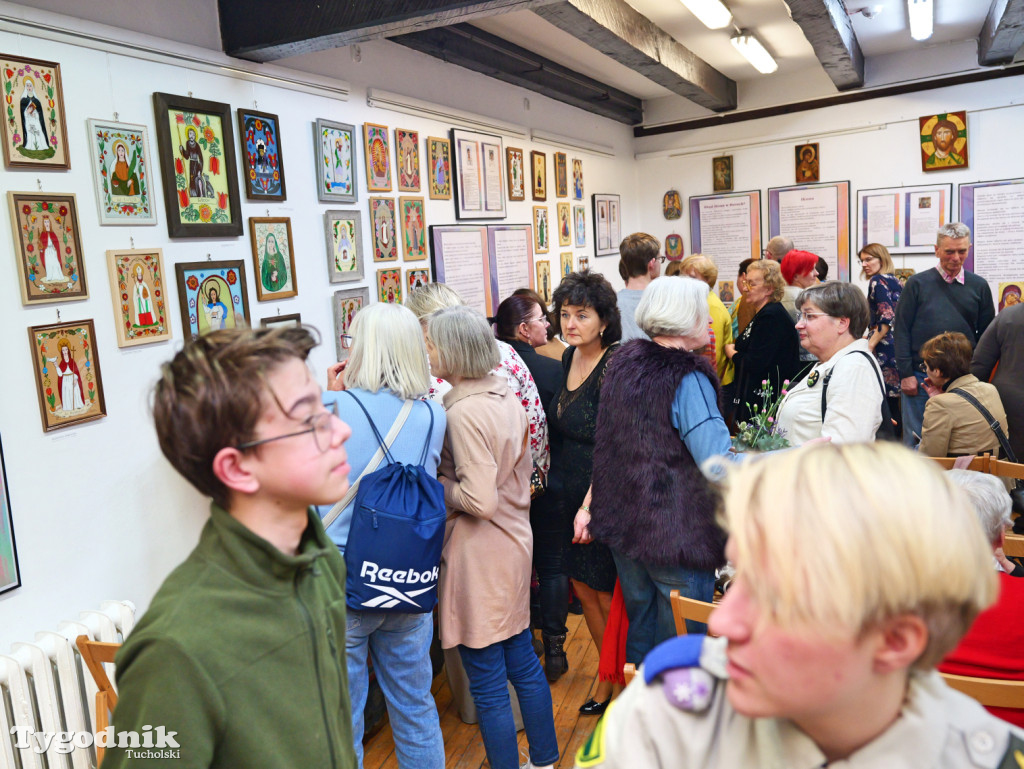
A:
x: 921, y: 13
x: 711, y: 13
x: 752, y: 50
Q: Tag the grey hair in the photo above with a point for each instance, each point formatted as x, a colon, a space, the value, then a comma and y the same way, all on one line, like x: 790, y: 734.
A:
x: 991, y: 501
x: 779, y: 246
x: 428, y: 299
x: 954, y: 231
x: 673, y: 306
x: 465, y: 343
x: 840, y: 300
x: 388, y: 352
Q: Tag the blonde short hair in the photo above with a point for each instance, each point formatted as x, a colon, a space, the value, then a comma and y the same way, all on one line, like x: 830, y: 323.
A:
x: 883, y: 256
x: 772, y: 273
x: 673, y: 306
x: 703, y: 266
x: 843, y: 537
x: 428, y: 299
x: 388, y: 352
x: 465, y: 344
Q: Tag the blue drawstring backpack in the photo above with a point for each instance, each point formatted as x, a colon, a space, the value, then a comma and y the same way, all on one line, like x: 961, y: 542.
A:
x: 394, y: 543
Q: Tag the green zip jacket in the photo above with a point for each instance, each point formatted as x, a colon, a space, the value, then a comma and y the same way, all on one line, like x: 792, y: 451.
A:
x: 242, y: 654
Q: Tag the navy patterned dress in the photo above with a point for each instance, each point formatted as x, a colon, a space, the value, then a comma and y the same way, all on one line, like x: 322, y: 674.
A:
x: 883, y: 294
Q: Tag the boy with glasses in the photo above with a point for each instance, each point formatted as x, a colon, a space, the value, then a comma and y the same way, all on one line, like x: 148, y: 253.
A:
x: 240, y: 657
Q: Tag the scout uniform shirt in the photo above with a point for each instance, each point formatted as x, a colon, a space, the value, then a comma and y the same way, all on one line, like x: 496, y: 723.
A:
x: 675, y: 715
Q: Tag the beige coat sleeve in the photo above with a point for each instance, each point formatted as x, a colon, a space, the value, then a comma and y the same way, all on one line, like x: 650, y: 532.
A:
x: 936, y: 428
x: 475, y: 487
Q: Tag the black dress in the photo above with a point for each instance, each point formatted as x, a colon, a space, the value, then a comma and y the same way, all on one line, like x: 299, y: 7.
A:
x: 572, y: 421
x: 768, y: 348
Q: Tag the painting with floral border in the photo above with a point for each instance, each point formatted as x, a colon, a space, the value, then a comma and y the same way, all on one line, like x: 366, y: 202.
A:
x: 416, y: 278
x: 382, y: 216
x: 378, y: 157
x: 203, y: 287
x: 67, y: 367
x: 414, y: 229
x: 139, y: 296
x: 47, y: 247
x: 407, y: 157
x: 259, y: 139
x: 35, y: 122
x: 439, y: 159
x: 389, y: 285
x: 122, y: 171
x: 347, y: 303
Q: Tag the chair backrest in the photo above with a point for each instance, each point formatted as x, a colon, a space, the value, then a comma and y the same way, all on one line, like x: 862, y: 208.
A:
x: 990, y: 692
x: 689, y: 609
x: 1005, y: 469
x: 94, y: 654
x: 1013, y: 545
x: 980, y: 464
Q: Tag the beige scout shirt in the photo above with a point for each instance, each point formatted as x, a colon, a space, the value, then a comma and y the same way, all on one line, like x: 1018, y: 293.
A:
x: 484, y: 585
x: 954, y: 427
x: 938, y: 728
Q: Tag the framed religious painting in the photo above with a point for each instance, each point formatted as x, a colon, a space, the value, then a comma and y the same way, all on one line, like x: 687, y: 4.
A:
x: 139, y: 296
x: 541, y: 230
x: 378, y: 157
x: 808, y: 169
x: 196, y: 144
x: 10, y: 575
x: 565, y: 261
x: 539, y: 175
x: 516, y: 171
x: 122, y: 172
x: 416, y: 278
x: 543, y: 269
x: 479, y: 173
x: 212, y: 296
x: 382, y: 217
x: 35, y: 123
x: 47, y: 247
x: 583, y: 263
x: 389, y: 285
x: 607, y: 224
x: 282, y: 321
x: 67, y: 372
x: 943, y: 141
x: 259, y: 139
x: 439, y: 168
x: 407, y: 159
x: 577, y: 179
x: 561, y: 175
x: 344, y: 246
x: 273, y: 257
x: 335, y: 161
x: 414, y: 229
x: 579, y: 225
x: 721, y: 173
x: 564, y: 225
x: 346, y: 305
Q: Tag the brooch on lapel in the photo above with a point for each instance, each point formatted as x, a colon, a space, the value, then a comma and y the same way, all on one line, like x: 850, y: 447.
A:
x: 812, y: 378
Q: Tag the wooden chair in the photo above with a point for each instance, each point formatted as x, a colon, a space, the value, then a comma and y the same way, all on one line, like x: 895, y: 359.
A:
x: 94, y: 654
x: 1005, y: 469
x: 991, y: 692
x: 1013, y: 545
x: 981, y: 464
x: 689, y: 609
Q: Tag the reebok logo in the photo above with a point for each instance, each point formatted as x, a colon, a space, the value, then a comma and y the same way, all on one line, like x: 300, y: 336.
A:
x: 392, y: 596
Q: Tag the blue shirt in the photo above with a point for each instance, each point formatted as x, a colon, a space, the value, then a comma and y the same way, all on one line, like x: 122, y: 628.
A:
x: 696, y: 416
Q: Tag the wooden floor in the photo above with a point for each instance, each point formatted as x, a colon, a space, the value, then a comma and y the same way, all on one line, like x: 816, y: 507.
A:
x: 463, y: 747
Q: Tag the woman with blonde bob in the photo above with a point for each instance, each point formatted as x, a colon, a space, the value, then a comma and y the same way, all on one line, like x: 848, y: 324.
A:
x: 830, y: 631
x: 484, y: 588
x: 387, y: 368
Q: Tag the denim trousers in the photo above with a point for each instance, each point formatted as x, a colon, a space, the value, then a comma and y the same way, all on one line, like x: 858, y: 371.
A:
x: 912, y: 411
x: 487, y: 670
x: 399, y: 645
x: 646, y: 593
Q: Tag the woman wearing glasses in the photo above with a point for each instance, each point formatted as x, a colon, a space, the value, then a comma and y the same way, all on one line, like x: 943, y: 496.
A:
x: 841, y: 396
x: 387, y: 367
x: 884, y: 290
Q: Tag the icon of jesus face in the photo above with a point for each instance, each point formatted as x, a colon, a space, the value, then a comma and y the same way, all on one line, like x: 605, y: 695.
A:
x: 943, y: 136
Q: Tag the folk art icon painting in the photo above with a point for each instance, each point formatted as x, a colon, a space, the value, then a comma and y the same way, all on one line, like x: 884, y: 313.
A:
x: 139, y: 296
x: 566, y: 262
x: 561, y: 175
x: 122, y: 171
x: 944, y: 141
x: 416, y: 278
x: 389, y: 285
x: 577, y: 179
x: 539, y: 175
x: 273, y: 259
x: 564, y: 228
x: 344, y: 246
x: 516, y: 172
x: 67, y: 368
x: 378, y: 157
x: 414, y: 229
x: 335, y: 161
x: 197, y: 155
x: 47, y: 247
x: 579, y: 224
x: 382, y: 214
x: 407, y: 157
x: 35, y: 122
x: 543, y: 269
x: 439, y: 168
x: 347, y: 304
x: 259, y: 139
x: 10, y: 575
x: 583, y: 263
x: 541, y: 229
x: 212, y: 296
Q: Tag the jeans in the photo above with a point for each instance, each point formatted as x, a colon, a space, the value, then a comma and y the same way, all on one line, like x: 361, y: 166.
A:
x: 912, y: 411
x: 645, y: 592
x: 400, y: 647
x: 487, y: 670
x: 548, y: 534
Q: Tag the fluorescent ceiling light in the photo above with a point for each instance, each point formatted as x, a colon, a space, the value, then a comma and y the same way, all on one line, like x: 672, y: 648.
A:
x: 711, y: 13
x: 754, y: 52
x: 921, y: 13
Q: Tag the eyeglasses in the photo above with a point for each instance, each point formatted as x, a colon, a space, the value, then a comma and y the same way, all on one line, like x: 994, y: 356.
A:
x: 661, y: 259
x: 319, y: 424
x: 346, y: 341
x: 540, y: 317
x: 807, y: 317
x: 869, y: 259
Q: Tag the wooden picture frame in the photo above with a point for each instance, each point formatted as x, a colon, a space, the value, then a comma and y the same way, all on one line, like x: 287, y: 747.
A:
x: 416, y: 277
x: 377, y: 154
x: 561, y: 175
x: 34, y: 129
x: 565, y: 262
x: 721, y: 173
x: 122, y: 172
x: 439, y: 168
x: 579, y: 225
x: 262, y: 158
x: 564, y: 224
x: 607, y: 215
x: 197, y: 161
x: 139, y: 296
x: 539, y: 175
x: 479, y: 173
x: 274, y: 270
x: 385, y: 238
x: 67, y: 373
x: 807, y: 163
x: 577, y: 179
x: 541, y: 230
x: 389, y: 285
x: 345, y: 305
x: 47, y: 247
x: 943, y: 141
x: 411, y: 212
x: 335, y: 145
x: 407, y: 159
x: 515, y: 169
x: 343, y: 230
x: 203, y: 311
x: 273, y: 321
x: 10, y: 573
x: 543, y: 270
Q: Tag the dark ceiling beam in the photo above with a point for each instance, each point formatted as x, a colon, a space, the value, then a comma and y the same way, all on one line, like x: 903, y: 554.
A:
x: 618, y: 31
x: 827, y: 27
x: 474, y: 49
x: 265, y: 30
x: 1002, y: 34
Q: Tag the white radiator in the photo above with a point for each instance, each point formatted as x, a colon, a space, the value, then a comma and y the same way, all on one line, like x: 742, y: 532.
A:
x: 46, y: 688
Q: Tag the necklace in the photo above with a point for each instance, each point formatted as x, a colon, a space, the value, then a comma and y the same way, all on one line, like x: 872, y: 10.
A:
x: 580, y: 370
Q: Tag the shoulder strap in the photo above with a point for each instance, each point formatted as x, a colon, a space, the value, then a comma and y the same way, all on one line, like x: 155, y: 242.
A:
x: 376, y: 459
x: 828, y: 376
x: 992, y: 422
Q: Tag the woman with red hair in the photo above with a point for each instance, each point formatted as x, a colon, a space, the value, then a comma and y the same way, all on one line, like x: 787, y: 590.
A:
x: 800, y: 271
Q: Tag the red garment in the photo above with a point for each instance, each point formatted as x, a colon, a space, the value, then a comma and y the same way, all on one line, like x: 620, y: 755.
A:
x: 45, y: 238
x: 613, y: 645
x: 994, y: 646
